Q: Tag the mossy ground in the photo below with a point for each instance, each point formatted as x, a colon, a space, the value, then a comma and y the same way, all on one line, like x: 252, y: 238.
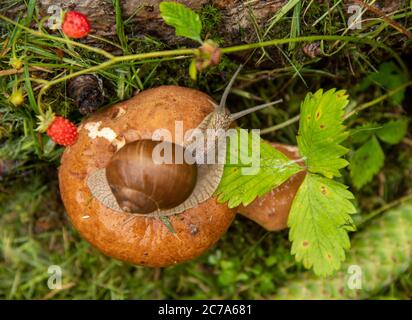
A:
x: 248, y: 262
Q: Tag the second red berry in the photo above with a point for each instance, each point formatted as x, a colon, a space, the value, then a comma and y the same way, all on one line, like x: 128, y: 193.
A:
x: 62, y: 131
x: 76, y: 25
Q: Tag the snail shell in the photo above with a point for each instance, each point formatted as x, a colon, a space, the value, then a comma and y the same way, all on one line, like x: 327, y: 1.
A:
x: 208, y: 177
x: 140, y: 184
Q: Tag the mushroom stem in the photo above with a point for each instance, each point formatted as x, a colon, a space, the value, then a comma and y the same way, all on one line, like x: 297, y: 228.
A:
x: 271, y: 211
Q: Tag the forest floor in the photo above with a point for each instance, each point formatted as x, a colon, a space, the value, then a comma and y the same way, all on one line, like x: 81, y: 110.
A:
x: 248, y: 262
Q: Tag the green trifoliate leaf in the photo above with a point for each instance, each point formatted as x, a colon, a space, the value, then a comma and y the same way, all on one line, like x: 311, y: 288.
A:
x: 321, y: 132
x: 186, y: 22
x: 366, y: 162
x: 319, y: 220
x: 393, y: 131
x: 250, y: 172
x: 320, y: 214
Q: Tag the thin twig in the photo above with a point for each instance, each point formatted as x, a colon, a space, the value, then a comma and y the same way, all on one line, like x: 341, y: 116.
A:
x: 11, y: 72
x: 281, y: 125
x: 358, y: 109
x: 384, y: 208
x: 369, y: 104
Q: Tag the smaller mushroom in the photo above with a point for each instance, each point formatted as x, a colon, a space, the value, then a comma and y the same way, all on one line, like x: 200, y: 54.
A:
x: 271, y: 210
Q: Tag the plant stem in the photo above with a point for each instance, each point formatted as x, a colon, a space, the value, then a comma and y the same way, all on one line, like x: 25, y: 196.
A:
x: 57, y: 39
x: 356, y: 110
x: 384, y: 208
x: 354, y: 39
x: 281, y: 125
x: 113, y: 61
x: 189, y: 52
x: 369, y: 104
x: 193, y: 52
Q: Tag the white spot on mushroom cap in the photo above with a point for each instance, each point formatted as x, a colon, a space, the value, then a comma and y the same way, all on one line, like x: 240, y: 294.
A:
x: 105, y: 133
x: 95, y: 131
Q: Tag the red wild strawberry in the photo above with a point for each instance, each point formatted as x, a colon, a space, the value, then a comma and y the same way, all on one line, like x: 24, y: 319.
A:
x: 76, y: 25
x: 62, y: 131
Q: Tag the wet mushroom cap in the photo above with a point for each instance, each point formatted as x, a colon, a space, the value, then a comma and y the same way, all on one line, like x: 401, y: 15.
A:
x: 139, y: 240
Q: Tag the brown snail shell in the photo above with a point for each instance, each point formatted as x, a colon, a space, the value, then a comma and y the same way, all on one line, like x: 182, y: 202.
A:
x: 142, y: 185
x: 207, y: 179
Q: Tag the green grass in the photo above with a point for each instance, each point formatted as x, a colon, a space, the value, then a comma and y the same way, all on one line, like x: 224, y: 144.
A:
x: 248, y: 262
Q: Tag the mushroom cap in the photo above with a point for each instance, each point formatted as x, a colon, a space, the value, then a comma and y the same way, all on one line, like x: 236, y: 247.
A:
x: 136, y: 239
x: 271, y: 210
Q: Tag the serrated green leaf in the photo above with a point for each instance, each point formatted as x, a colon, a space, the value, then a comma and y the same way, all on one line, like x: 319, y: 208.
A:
x: 237, y: 188
x: 366, y: 162
x: 319, y: 221
x: 186, y: 22
x: 393, y: 131
x: 321, y: 132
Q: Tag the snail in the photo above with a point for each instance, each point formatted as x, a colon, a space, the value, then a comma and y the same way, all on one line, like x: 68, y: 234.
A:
x: 141, y: 238
x: 133, y: 182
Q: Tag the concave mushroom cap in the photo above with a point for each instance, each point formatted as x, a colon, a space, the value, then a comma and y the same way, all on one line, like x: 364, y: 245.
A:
x: 271, y: 210
x: 139, y: 240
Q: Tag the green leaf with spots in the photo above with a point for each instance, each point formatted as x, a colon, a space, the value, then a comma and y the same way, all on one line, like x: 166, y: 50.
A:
x: 320, y: 218
x: 250, y: 171
x: 366, y: 162
x: 319, y: 221
x: 321, y: 132
x: 186, y: 22
x: 393, y: 131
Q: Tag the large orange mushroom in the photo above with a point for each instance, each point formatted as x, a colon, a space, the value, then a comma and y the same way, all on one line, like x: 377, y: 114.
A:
x: 146, y: 240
